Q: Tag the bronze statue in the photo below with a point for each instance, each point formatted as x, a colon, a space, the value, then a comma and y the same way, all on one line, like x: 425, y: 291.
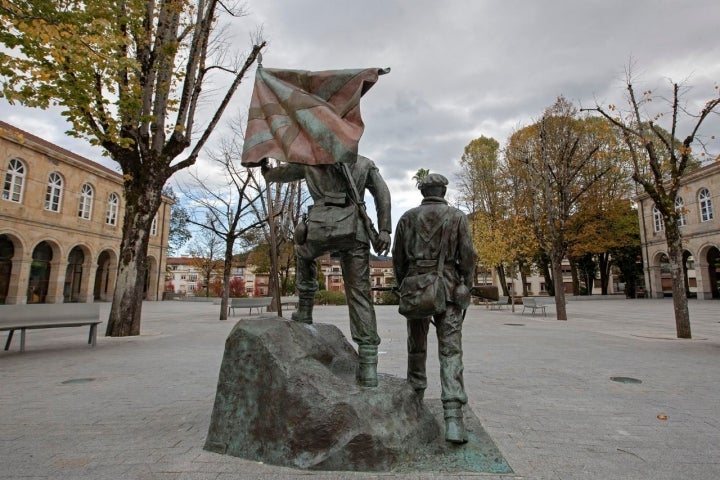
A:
x: 435, y: 236
x: 337, y: 224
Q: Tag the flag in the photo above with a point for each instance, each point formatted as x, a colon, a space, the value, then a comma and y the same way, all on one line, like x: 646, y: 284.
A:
x: 306, y: 117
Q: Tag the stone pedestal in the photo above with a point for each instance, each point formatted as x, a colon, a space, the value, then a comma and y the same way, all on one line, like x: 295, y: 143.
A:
x: 287, y: 396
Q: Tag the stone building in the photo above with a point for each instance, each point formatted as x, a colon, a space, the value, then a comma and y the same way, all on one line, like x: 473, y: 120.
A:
x: 698, y: 200
x: 61, y: 225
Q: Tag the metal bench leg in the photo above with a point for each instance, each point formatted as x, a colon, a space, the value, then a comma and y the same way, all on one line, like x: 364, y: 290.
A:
x: 9, y: 339
x: 22, y: 339
x: 92, y: 337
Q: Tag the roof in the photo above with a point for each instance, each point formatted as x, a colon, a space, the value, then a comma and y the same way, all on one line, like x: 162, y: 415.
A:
x: 29, y: 140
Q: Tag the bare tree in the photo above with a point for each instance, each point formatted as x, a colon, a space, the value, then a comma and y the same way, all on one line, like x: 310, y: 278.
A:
x: 285, y: 201
x: 660, y: 156
x: 224, y: 207
x: 205, y: 251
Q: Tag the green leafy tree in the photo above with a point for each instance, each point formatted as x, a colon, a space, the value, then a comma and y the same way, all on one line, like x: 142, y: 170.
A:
x: 129, y: 76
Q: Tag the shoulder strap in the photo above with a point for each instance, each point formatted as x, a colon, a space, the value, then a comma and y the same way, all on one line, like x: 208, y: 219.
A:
x: 443, y: 243
x: 360, y: 203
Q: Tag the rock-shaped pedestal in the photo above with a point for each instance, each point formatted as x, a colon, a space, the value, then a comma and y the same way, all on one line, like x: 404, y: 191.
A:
x: 287, y: 395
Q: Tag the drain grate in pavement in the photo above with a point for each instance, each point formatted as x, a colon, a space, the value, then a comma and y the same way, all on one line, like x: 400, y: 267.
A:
x: 514, y: 324
x: 625, y: 380
x: 74, y: 381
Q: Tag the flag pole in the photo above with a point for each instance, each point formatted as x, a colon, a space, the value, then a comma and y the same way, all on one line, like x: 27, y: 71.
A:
x: 273, y: 283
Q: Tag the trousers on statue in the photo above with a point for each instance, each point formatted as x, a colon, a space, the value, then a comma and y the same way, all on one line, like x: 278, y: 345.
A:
x: 355, y: 264
x: 448, y: 328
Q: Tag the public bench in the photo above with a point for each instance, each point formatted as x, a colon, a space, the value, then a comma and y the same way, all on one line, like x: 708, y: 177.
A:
x: 291, y: 301
x: 498, y: 304
x: 533, y: 305
x: 48, y: 315
x: 261, y: 302
x: 251, y: 302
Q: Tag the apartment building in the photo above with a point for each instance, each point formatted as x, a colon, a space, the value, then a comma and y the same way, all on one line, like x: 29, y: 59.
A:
x: 698, y: 201
x: 61, y: 225
x: 184, y: 276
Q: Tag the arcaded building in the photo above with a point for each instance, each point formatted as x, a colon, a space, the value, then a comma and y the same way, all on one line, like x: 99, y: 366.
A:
x: 61, y: 225
x: 698, y: 201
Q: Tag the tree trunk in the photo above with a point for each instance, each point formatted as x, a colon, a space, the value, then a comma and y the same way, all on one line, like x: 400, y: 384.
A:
x: 556, y: 261
x: 549, y: 283
x: 574, y: 276
x: 680, y: 302
x: 227, y: 268
x: 523, y: 277
x: 126, y: 309
x: 604, y: 263
x: 503, y: 281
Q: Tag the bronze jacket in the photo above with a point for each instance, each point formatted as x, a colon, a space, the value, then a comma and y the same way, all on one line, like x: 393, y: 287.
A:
x: 418, y: 236
x: 327, y: 179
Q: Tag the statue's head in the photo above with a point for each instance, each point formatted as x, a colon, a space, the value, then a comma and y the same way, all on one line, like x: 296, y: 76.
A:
x: 433, y: 185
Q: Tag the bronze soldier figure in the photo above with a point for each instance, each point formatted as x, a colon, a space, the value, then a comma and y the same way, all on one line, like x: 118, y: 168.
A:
x: 328, y: 186
x: 418, y: 238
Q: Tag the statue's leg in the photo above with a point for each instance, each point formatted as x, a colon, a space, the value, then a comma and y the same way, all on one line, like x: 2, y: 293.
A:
x: 306, y: 284
x: 449, y: 333
x: 417, y: 331
x: 355, y: 265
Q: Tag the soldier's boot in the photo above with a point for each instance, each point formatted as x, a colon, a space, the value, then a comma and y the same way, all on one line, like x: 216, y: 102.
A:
x: 305, y: 308
x: 366, y: 373
x: 454, y: 426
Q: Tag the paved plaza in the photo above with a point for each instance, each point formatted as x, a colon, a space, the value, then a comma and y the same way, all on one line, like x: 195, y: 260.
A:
x: 139, y: 407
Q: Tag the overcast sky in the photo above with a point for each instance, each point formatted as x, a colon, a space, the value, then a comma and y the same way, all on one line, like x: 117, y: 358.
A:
x: 466, y: 68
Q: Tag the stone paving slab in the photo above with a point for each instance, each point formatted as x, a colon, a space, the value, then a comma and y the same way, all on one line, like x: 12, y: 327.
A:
x: 541, y: 388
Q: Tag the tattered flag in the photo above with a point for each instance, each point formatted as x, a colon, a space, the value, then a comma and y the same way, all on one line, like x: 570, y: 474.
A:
x: 306, y: 117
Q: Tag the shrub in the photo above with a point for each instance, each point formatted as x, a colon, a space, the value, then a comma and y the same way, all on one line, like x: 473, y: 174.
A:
x: 328, y: 297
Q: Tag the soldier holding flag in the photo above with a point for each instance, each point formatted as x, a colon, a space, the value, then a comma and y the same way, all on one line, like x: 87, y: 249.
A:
x: 311, y: 122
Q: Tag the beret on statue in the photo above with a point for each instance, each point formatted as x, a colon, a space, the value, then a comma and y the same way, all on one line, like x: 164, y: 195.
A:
x: 433, y: 180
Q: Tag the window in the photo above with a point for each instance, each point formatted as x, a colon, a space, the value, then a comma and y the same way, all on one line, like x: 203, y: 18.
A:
x: 86, y: 201
x: 53, y: 194
x: 112, y: 209
x: 153, y: 226
x: 658, y: 223
x: 193, y: 277
x: 680, y: 208
x: 706, y: 208
x: 14, y: 181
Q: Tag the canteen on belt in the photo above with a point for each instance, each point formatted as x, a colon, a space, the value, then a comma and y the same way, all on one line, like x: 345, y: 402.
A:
x: 462, y: 296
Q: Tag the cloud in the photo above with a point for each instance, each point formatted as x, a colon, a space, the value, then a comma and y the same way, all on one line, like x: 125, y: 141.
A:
x: 466, y: 68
